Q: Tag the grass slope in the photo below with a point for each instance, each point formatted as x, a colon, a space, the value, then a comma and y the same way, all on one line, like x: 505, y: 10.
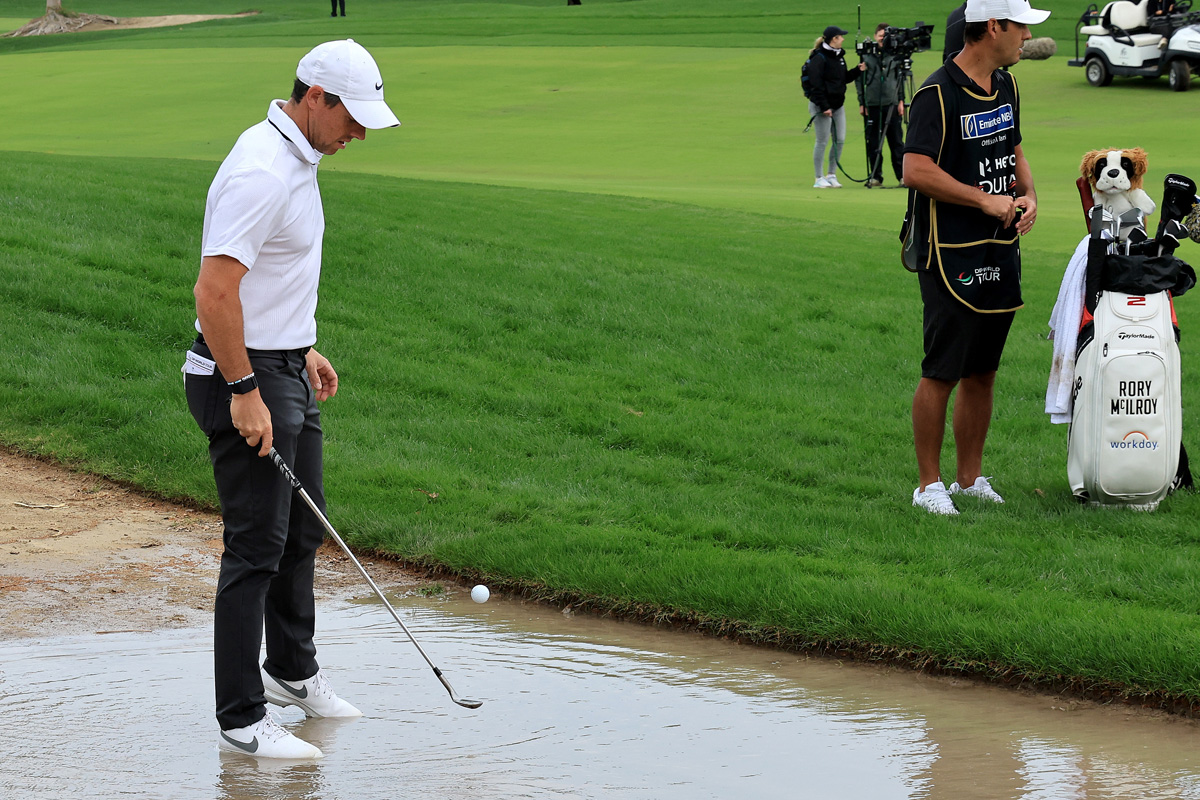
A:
x: 627, y: 401
x: 700, y: 408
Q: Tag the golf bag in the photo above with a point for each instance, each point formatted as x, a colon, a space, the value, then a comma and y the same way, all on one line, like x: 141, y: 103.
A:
x: 1125, y: 440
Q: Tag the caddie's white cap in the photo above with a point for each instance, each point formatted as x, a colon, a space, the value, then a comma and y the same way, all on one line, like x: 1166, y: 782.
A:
x: 345, y: 68
x: 1016, y: 10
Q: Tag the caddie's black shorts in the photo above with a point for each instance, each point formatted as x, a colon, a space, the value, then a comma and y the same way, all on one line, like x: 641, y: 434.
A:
x: 959, y: 342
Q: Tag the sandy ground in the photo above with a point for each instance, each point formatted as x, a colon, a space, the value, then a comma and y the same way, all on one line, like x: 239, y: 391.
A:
x: 157, y: 22
x: 79, y: 554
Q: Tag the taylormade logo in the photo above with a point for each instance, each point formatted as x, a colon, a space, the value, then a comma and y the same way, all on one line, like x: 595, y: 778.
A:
x: 1136, y: 336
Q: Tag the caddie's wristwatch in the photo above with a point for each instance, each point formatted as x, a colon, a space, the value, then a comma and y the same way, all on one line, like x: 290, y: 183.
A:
x: 243, y: 385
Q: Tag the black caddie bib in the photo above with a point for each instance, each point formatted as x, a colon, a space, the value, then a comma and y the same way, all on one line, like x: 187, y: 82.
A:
x: 978, y: 259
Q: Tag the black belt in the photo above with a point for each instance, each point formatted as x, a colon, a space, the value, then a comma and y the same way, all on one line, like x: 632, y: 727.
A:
x: 302, y: 351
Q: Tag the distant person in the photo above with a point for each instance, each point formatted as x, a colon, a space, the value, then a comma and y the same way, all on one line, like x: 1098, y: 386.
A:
x: 828, y: 78
x: 1158, y: 18
x: 971, y: 196
x: 881, y: 104
x: 954, y: 32
x: 337, y: 3
x: 253, y: 380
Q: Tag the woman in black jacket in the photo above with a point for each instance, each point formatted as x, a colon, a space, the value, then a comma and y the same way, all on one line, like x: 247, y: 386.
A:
x: 828, y: 77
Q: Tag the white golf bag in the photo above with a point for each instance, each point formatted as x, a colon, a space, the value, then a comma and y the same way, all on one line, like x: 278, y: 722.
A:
x: 1124, y: 443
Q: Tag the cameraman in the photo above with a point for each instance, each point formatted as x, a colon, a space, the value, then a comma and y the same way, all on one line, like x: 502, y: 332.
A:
x: 881, y: 104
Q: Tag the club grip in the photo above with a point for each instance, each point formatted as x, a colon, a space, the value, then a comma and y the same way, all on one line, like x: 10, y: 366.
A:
x: 283, y: 467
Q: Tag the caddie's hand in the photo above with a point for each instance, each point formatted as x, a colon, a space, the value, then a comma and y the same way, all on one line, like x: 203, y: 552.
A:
x: 1028, y: 214
x: 900, y: 108
x: 321, y: 375
x: 1000, y: 207
x: 828, y: 112
x: 252, y: 419
x: 862, y: 111
x: 862, y: 65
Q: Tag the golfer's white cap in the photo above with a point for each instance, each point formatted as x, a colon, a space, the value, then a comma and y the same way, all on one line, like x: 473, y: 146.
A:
x: 345, y: 68
x: 1016, y: 10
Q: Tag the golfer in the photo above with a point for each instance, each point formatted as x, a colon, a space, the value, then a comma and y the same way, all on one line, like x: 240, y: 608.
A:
x: 253, y: 379
x: 971, y: 196
x: 881, y: 105
x: 827, y: 100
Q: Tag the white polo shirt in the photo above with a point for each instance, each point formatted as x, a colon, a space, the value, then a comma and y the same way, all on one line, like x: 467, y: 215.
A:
x: 264, y: 209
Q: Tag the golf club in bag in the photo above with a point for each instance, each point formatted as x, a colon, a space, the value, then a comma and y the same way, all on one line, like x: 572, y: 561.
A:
x: 295, y: 482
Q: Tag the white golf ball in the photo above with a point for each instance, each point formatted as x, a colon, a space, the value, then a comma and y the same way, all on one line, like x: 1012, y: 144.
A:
x: 480, y: 594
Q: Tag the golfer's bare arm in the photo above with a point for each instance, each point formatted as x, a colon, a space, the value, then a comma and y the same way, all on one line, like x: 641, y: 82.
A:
x: 219, y: 309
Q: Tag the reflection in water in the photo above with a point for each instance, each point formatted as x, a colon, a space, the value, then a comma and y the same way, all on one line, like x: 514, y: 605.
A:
x: 573, y: 708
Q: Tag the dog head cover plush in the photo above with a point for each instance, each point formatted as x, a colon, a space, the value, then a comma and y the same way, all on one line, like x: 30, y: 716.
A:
x: 1116, y: 179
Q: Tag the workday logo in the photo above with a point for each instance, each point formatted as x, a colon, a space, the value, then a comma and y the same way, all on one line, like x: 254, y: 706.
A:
x: 1134, y: 440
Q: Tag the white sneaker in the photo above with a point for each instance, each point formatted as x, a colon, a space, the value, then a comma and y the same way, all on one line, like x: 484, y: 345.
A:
x: 981, y: 488
x: 265, y: 739
x: 935, y: 499
x: 315, y: 696
x: 832, y: 180
x: 822, y: 183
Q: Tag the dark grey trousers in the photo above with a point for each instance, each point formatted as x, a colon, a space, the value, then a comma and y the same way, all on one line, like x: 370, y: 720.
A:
x: 271, y: 537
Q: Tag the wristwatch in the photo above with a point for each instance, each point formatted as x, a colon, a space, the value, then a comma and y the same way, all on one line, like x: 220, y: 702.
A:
x: 243, y: 385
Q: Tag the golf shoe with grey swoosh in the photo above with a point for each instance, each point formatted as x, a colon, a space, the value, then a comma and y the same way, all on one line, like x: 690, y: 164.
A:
x: 314, y: 696
x: 266, y: 739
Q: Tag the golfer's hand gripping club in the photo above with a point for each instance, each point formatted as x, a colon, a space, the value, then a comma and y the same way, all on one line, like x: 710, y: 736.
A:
x: 295, y: 482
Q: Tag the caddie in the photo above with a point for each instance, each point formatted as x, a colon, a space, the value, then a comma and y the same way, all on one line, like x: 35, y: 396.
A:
x: 971, y: 196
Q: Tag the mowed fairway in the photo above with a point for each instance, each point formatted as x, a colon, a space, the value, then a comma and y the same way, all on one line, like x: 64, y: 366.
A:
x: 586, y: 297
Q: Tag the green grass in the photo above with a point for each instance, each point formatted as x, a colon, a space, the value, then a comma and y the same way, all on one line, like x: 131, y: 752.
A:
x: 586, y: 298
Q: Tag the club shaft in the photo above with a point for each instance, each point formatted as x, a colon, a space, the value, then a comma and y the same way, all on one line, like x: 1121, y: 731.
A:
x: 362, y: 571
x: 295, y: 482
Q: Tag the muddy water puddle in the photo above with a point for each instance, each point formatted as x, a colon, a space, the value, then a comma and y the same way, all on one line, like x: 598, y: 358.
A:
x: 574, y: 707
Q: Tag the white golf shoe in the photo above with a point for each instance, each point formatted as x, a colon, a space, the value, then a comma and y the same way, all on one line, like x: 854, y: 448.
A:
x: 315, y: 696
x: 265, y: 739
x: 935, y: 499
x: 832, y: 180
x: 981, y: 488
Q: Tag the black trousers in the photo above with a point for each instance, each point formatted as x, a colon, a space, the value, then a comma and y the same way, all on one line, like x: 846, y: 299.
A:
x: 271, y: 537
x: 335, y: 7
x: 895, y: 139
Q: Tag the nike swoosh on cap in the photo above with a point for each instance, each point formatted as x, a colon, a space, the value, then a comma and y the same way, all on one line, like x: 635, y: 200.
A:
x: 250, y: 746
x: 379, y: 86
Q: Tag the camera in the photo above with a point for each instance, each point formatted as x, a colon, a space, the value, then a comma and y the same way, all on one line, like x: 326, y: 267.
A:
x: 867, y: 47
x: 906, y: 41
x: 901, y: 42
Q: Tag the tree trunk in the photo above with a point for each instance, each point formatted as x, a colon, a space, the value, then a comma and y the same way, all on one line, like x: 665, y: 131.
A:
x: 55, y: 20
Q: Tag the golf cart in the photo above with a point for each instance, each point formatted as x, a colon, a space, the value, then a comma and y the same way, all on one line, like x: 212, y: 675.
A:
x: 1124, y: 39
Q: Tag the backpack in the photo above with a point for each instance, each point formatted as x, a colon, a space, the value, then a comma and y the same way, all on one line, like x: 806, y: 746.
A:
x: 806, y: 75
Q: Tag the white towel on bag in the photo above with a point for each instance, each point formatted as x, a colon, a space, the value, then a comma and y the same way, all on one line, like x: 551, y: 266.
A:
x: 1064, y: 331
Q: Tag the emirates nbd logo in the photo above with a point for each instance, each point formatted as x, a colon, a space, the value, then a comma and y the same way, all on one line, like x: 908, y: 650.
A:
x: 986, y: 123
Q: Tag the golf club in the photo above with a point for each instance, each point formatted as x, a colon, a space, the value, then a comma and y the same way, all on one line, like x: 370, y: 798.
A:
x: 295, y: 482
